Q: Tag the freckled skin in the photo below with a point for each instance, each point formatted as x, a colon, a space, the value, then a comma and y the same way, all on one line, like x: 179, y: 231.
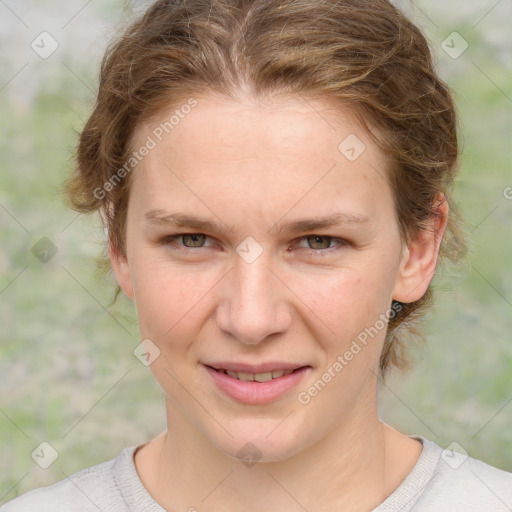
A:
x: 250, y: 167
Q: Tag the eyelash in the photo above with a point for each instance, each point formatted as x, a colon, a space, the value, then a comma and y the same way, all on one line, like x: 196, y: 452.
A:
x: 170, y: 239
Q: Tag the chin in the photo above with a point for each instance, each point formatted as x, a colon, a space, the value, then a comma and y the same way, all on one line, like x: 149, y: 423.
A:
x: 262, y: 442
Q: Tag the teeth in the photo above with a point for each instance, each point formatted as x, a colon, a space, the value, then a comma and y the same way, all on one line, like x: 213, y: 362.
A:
x: 258, y: 377
x: 244, y: 376
x: 263, y: 377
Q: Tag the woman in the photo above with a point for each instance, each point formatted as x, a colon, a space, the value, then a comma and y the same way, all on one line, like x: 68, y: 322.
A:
x: 275, y: 179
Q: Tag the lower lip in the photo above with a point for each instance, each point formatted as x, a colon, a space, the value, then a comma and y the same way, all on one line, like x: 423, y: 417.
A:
x: 254, y: 393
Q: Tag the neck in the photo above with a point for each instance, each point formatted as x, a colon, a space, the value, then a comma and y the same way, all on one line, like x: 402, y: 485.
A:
x: 355, y: 467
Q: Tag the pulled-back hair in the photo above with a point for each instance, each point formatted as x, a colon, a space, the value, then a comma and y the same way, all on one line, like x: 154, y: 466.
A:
x: 361, y: 54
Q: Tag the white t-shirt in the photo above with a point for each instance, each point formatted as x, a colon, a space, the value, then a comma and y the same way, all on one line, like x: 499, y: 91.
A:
x: 441, y: 481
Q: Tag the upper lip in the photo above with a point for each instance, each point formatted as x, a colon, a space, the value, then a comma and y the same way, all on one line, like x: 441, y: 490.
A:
x: 254, y: 368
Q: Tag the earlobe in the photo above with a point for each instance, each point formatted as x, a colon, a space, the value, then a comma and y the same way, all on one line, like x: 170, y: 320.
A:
x: 121, y: 269
x: 419, y: 258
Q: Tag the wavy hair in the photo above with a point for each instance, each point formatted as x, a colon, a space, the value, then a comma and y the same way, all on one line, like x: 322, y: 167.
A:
x: 361, y: 54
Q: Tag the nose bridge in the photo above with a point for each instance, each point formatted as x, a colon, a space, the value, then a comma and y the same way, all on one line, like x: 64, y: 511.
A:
x: 253, y: 307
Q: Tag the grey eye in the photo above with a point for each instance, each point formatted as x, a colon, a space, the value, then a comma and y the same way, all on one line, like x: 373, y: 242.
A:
x: 193, y: 240
x: 319, y: 241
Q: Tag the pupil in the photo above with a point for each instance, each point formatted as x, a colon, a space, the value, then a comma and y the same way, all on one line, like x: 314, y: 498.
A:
x: 318, y: 240
x: 195, y: 239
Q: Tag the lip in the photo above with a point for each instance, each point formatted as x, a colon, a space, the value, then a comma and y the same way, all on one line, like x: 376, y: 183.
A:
x: 256, y: 393
x: 269, y: 366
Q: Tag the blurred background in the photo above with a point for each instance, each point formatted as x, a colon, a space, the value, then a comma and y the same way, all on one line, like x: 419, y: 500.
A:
x: 68, y: 375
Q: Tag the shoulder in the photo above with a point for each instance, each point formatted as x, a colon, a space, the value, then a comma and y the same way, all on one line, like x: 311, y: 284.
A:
x: 462, y: 483
x: 93, y: 488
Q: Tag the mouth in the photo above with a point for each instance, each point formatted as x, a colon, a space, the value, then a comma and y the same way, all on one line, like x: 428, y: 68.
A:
x: 256, y: 377
x: 256, y: 384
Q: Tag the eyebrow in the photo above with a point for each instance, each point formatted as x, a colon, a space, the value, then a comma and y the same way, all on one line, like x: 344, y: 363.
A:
x: 182, y: 220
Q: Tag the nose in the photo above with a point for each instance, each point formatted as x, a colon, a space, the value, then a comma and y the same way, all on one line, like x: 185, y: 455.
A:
x: 254, y: 304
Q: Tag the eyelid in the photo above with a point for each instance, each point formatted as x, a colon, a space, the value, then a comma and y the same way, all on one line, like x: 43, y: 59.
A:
x: 341, y: 242
x: 171, y: 238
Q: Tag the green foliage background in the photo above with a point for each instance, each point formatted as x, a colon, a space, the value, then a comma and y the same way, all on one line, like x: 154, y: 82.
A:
x: 68, y: 373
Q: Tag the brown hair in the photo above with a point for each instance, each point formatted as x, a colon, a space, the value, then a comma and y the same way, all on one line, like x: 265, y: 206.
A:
x: 364, y: 54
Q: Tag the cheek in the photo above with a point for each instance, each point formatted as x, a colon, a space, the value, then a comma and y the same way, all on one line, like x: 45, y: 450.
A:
x: 343, y: 302
x: 169, y: 298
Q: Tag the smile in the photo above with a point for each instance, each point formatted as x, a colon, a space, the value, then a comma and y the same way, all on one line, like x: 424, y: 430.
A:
x: 258, y: 377
x: 258, y: 387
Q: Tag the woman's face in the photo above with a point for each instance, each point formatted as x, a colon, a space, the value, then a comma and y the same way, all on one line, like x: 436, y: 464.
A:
x: 261, y: 283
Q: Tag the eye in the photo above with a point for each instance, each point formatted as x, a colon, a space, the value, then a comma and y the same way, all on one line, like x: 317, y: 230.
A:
x: 189, y: 240
x: 323, y: 243
x: 317, y: 244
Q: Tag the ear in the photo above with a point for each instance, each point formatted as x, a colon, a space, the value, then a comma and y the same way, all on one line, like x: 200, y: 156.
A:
x: 121, y: 268
x: 420, y: 256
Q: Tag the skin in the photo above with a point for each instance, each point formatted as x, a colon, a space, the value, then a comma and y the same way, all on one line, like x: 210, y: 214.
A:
x: 251, y: 166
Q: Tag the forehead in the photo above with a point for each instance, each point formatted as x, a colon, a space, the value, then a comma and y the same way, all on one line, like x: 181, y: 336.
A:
x: 288, y: 150
x: 289, y: 125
